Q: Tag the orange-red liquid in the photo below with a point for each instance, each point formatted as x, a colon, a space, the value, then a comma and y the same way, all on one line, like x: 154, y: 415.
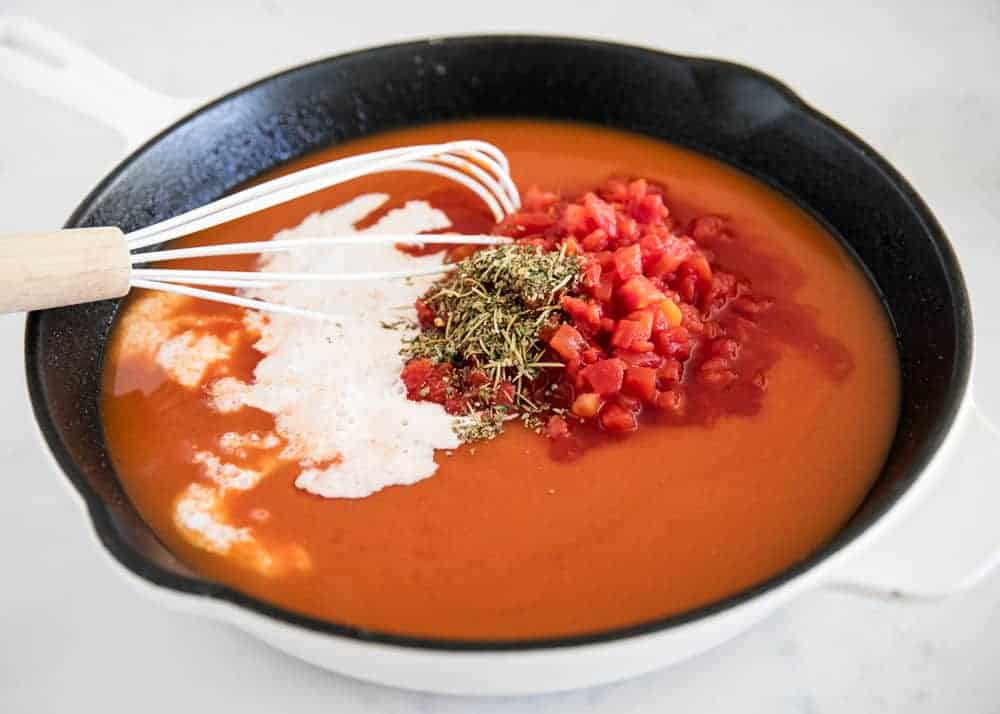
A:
x: 507, y: 542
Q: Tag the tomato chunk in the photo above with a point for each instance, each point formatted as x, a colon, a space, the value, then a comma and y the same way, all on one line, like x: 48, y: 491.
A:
x: 605, y: 376
x: 617, y: 419
x: 586, y: 405
x: 415, y: 375
x: 567, y: 342
x: 639, y: 292
x: 629, y: 333
x: 557, y: 428
x: 602, y: 214
x: 640, y: 382
x: 594, y: 241
x: 671, y: 312
x: 628, y: 262
x: 582, y: 312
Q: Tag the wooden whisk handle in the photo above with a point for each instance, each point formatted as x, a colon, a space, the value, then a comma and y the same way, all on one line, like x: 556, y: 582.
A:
x: 42, y: 270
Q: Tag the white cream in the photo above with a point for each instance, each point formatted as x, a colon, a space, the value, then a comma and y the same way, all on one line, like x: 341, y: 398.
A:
x: 334, y: 387
x: 187, y: 356
x: 199, y: 517
x: 224, y: 474
x: 241, y: 444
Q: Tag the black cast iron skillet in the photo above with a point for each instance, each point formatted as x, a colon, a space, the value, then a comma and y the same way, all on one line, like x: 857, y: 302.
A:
x: 733, y: 113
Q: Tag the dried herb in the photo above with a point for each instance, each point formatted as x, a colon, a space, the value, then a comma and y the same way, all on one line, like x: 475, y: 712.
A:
x: 488, y: 316
x: 480, y: 424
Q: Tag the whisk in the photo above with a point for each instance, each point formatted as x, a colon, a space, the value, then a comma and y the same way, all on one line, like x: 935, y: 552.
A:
x: 79, y: 265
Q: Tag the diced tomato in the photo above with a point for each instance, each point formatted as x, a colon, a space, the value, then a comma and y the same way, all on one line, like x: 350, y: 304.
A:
x: 699, y: 264
x: 605, y: 376
x: 614, y: 190
x: 639, y: 359
x: 675, y: 251
x: 591, y: 276
x: 640, y: 382
x: 628, y: 262
x: 651, y: 246
x: 637, y: 189
x: 573, y: 367
x: 586, y: 405
x: 724, y: 287
x: 664, y: 265
x: 628, y: 333
x: 645, y: 319
x: 535, y: 199
x: 648, y: 208
x: 672, y: 402
x: 633, y: 404
x: 575, y: 220
x: 415, y: 375
x: 505, y: 394
x: 717, y: 372
x: 628, y: 229
x: 595, y: 241
x: 670, y: 371
x: 539, y: 241
x: 438, y: 385
x: 557, y: 428
x: 687, y: 287
x: 706, y: 227
x: 582, y: 312
x: 424, y: 313
x: 607, y: 260
x: 691, y: 318
x: 477, y: 378
x: 456, y: 405
x: 674, y: 342
x: 639, y: 292
x: 567, y: 342
x: 660, y: 322
x: 670, y: 311
x: 602, y: 214
x: 529, y: 223
x: 617, y: 419
x: 605, y: 288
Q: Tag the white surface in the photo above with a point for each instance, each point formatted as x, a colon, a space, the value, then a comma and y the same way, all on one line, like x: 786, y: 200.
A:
x: 920, y: 85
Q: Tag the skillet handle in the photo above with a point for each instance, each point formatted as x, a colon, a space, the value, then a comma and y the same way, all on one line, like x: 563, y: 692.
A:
x: 949, y: 539
x: 43, y: 270
x: 44, y: 62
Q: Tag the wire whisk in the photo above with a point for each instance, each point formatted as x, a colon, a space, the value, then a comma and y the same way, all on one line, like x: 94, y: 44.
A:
x: 106, y: 263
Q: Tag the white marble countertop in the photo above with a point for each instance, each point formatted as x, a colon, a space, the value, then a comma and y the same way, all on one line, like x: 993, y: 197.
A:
x: 920, y: 84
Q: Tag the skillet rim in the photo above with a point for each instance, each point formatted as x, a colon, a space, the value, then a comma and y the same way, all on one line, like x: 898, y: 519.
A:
x: 143, y: 567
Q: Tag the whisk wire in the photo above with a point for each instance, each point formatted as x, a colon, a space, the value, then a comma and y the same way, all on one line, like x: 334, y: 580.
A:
x: 476, y: 165
x: 317, y: 178
x: 295, y: 179
x: 286, y: 244
x: 233, y: 299
x: 255, y: 278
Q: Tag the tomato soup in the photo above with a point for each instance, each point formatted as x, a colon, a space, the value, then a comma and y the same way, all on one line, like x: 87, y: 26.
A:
x: 511, y: 538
